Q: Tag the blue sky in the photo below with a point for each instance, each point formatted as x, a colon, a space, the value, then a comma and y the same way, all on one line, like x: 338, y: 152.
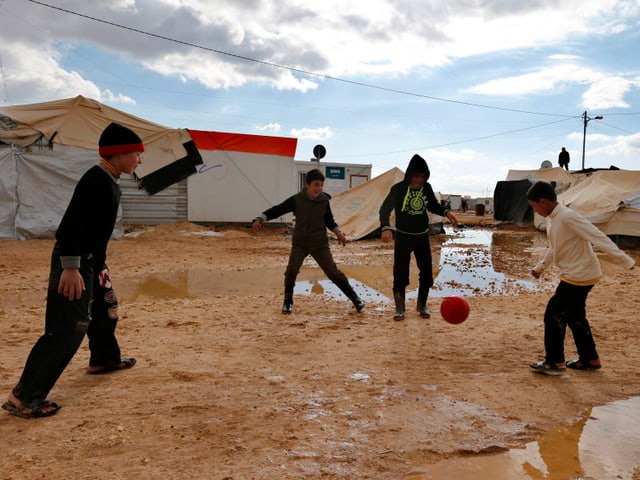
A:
x: 476, y: 87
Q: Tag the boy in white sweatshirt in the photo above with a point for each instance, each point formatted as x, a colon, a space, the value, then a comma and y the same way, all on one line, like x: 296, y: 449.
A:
x: 570, y: 237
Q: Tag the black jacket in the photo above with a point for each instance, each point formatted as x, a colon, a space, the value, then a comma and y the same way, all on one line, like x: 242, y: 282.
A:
x: 411, y: 206
x: 312, y: 217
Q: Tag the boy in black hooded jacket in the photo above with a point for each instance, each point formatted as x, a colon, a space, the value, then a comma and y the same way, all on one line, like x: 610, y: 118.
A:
x: 411, y: 199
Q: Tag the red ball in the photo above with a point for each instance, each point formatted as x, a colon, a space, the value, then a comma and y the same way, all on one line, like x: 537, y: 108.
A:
x: 454, y: 309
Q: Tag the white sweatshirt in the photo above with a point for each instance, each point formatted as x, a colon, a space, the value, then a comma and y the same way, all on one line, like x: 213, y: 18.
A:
x: 571, y: 237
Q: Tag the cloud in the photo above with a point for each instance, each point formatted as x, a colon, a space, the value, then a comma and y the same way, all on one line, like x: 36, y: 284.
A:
x: 607, y: 92
x: 269, y: 128
x: 322, y: 133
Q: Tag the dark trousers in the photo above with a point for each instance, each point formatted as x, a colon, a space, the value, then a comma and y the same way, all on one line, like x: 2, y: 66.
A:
x: 404, y: 246
x: 66, y: 323
x: 567, y: 307
x: 322, y: 255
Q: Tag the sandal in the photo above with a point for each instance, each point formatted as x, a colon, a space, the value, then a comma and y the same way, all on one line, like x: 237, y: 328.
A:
x: 124, y: 364
x: 34, y: 409
x: 548, y: 368
x: 582, y: 365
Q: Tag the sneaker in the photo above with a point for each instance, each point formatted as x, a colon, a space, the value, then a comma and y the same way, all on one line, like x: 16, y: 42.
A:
x: 548, y: 368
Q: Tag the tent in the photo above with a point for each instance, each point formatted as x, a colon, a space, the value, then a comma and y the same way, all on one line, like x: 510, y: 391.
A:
x: 240, y: 177
x: 610, y: 199
x: 46, y: 147
x: 510, y: 202
x: 509, y: 196
x: 218, y: 177
x: 356, y: 210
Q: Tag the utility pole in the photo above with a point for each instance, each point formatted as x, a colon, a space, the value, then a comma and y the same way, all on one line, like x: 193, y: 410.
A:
x: 586, y: 119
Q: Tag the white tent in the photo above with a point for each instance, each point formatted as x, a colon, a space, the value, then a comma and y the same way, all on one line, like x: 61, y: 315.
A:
x: 610, y: 199
x: 356, y: 210
x: 46, y: 147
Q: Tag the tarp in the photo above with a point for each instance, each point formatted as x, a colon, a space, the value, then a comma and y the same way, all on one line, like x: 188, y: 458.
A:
x: 48, y: 146
x: 560, y: 176
x: 356, y: 210
x: 78, y: 122
x: 610, y: 199
x: 509, y: 197
x: 510, y: 202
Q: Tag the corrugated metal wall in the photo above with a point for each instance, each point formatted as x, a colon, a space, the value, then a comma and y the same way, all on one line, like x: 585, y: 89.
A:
x: 140, y: 208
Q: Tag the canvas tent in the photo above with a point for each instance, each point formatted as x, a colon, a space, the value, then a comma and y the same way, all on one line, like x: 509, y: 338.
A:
x: 509, y: 197
x: 356, y: 210
x: 46, y: 147
x: 610, y: 199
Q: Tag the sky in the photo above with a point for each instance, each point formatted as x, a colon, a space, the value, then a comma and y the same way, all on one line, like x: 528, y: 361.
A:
x: 476, y: 87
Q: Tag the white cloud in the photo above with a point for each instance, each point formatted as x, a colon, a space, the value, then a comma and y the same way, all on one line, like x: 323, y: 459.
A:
x: 109, y: 96
x: 269, y: 128
x: 312, y: 133
x: 607, y: 92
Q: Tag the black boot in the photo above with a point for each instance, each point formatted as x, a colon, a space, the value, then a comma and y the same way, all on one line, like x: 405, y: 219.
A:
x: 353, y: 296
x: 422, y: 304
x: 287, y: 305
x: 398, y: 296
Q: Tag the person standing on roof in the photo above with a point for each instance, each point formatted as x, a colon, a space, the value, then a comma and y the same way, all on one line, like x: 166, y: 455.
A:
x: 564, y: 159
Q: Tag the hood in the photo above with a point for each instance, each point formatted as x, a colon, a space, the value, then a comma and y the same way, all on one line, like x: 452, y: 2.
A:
x: 417, y: 164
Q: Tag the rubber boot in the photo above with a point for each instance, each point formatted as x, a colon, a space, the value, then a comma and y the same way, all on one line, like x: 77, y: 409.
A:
x: 287, y: 305
x: 398, y: 296
x: 422, y: 304
x: 353, y: 296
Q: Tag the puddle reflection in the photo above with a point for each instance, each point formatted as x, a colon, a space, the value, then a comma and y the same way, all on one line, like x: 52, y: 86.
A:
x: 604, y: 444
x: 473, y: 262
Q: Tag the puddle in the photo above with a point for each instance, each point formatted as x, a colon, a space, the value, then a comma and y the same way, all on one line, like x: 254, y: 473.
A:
x: 604, y: 444
x: 473, y: 262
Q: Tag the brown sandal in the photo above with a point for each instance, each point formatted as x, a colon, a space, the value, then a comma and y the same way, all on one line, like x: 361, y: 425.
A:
x: 124, y: 364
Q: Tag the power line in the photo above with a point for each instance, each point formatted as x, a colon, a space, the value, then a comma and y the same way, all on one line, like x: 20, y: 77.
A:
x: 296, y: 70
x: 458, y: 142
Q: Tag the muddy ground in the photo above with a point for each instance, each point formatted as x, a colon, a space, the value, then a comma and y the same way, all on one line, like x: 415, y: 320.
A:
x: 227, y: 387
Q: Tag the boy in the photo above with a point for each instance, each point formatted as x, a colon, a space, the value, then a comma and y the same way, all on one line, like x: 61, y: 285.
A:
x: 313, y: 216
x: 570, y: 237
x: 80, y: 298
x: 411, y: 199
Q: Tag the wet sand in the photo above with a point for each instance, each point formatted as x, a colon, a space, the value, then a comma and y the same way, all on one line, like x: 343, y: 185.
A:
x: 227, y: 387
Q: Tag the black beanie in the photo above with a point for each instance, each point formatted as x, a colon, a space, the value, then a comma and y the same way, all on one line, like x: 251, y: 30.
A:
x: 116, y: 140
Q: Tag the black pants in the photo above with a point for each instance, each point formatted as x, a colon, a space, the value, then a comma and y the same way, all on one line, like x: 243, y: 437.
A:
x: 322, y: 255
x: 404, y: 246
x: 567, y: 307
x: 66, y: 323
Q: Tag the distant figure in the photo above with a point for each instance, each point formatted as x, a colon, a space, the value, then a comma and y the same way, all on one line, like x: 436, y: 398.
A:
x: 563, y: 159
x: 463, y: 204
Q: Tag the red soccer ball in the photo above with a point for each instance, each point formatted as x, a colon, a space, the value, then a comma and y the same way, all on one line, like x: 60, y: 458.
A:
x: 454, y: 309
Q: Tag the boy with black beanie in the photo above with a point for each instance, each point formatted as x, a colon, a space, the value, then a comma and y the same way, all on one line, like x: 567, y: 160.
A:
x: 80, y: 298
